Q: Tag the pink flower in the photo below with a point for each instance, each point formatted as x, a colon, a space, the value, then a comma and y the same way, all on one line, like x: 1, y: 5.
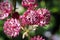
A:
x: 37, y: 38
x: 3, y: 15
x: 29, y: 3
x: 5, y: 9
x: 12, y: 27
x: 23, y: 21
x: 44, y: 16
x: 31, y: 17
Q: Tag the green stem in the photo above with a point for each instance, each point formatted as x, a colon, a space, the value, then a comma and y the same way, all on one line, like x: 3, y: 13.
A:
x: 10, y: 38
x: 14, y: 4
x: 28, y: 37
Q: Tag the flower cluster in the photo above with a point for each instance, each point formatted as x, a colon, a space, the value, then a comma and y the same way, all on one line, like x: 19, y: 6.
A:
x: 5, y: 9
x: 44, y: 16
x: 31, y: 16
x: 36, y: 17
x: 37, y: 38
x: 12, y: 27
x: 40, y: 16
x: 29, y: 3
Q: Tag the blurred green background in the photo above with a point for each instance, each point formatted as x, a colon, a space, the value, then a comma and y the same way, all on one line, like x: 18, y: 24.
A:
x: 54, y: 27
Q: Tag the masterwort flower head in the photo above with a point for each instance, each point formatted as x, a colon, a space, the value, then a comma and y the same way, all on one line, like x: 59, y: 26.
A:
x: 29, y: 3
x: 32, y: 17
x: 12, y: 27
x: 37, y: 38
x: 23, y: 21
x: 5, y: 9
x: 44, y: 16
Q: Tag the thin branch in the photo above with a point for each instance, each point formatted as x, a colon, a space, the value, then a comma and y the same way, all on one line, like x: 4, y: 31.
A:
x: 14, y: 4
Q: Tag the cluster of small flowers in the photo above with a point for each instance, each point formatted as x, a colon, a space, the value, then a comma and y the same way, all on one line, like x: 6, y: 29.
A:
x: 5, y: 9
x: 37, y: 38
x: 40, y: 16
x: 29, y: 3
x: 12, y: 26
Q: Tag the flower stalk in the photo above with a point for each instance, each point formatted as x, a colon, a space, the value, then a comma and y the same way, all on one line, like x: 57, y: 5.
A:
x: 14, y: 4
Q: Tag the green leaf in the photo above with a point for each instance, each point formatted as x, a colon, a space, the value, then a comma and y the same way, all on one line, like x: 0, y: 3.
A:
x: 32, y: 33
x: 42, y: 4
x: 1, y: 22
x: 40, y: 31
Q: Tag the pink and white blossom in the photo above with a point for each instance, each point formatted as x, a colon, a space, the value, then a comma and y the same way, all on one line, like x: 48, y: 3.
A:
x: 23, y: 21
x: 12, y: 27
x: 44, y: 16
x: 29, y: 3
x: 5, y: 9
x: 31, y: 16
x: 37, y: 38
